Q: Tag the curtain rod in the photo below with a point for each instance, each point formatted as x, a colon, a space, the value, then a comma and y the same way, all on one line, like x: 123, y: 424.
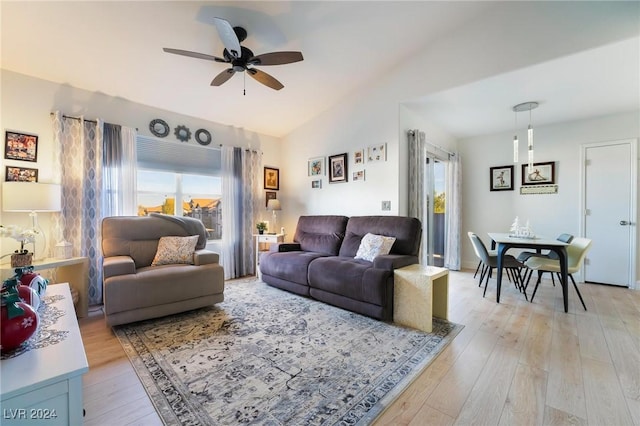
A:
x: 434, y: 145
x: 440, y: 148
x: 246, y: 149
x: 78, y: 118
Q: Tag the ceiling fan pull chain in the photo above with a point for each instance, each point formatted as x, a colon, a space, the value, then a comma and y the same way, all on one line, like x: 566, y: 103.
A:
x: 244, y: 84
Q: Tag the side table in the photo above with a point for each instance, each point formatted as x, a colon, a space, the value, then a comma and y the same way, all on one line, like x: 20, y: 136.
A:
x: 266, y: 240
x: 43, y: 386
x: 74, y: 271
x: 420, y: 293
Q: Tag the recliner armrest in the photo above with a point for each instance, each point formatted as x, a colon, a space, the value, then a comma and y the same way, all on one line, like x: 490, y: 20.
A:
x: 118, y: 265
x: 282, y: 247
x: 394, y: 261
x: 205, y: 257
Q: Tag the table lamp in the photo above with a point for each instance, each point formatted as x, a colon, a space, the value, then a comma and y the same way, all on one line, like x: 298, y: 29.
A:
x: 274, y: 206
x: 32, y: 197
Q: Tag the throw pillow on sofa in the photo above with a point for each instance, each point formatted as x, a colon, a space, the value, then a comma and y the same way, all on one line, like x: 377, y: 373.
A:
x: 172, y: 250
x: 373, y: 245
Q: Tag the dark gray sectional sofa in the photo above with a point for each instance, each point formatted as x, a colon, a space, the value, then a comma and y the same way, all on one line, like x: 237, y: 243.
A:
x: 320, y: 262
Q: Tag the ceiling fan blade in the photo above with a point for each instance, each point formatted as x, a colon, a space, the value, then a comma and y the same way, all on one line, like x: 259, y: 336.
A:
x: 193, y: 54
x: 276, y: 58
x: 228, y: 37
x: 265, y: 78
x: 223, y: 77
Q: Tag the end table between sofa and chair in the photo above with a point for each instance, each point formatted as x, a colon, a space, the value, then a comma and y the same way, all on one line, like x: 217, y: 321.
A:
x: 419, y: 294
x: 265, y: 240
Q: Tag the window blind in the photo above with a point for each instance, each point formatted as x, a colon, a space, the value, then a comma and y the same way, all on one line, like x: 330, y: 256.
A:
x: 157, y: 154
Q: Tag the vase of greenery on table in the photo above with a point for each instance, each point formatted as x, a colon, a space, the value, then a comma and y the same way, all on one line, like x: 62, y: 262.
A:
x: 261, y: 227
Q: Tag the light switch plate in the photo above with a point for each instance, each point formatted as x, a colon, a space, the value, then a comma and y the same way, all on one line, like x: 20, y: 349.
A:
x: 386, y: 205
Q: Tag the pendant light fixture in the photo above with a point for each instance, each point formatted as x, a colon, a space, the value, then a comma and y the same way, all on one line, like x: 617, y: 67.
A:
x: 526, y: 106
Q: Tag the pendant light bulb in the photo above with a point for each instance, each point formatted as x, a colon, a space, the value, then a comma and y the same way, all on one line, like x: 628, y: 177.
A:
x: 515, y: 149
x: 530, y: 137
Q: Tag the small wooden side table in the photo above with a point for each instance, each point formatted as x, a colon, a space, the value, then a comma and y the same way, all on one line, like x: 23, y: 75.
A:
x: 265, y: 240
x: 420, y: 293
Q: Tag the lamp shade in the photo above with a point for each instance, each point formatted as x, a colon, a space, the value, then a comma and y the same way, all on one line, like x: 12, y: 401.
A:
x: 30, y: 197
x: 274, y: 205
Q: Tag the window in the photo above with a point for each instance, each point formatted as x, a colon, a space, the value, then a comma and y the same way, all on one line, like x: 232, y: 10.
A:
x: 180, y: 194
x: 180, y: 180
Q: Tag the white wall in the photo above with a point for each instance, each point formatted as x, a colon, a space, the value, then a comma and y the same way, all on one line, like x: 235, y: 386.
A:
x: 493, y: 43
x: 26, y: 104
x: 549, y: 214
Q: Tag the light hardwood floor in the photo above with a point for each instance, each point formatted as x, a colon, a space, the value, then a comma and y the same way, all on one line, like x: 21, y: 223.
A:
x: 514, y: 363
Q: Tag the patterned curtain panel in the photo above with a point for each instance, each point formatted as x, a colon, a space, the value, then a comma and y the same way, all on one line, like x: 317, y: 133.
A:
x: 240, y: 171
x: 79, y: 148
x: 417, y: 164
x: 453, y: 207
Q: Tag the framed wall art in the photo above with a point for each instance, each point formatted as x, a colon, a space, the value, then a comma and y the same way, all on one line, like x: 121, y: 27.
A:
x: 338, y: 168
x: 541, y: 173
x: 377, y: 153
x: 316, y: 166
x: 316, y: 184
x: 358, y: 175
x: 21, y: 174
x: 271, y: 178
x: 20, y: 146
x: 501, y: 178
x: 270, y: 195
x: 358, y: 157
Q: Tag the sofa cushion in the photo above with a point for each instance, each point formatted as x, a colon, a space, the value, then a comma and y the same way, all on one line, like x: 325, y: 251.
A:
x: 291, y: 266
x: 372, y: 246
x: 320, y: 234
x: 353, y: 278
x: 407, y: 230
x: 175, y: 250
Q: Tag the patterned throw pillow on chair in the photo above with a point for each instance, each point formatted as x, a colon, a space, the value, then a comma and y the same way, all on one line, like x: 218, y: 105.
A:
x: 373, y: 245
x: 172, y: 250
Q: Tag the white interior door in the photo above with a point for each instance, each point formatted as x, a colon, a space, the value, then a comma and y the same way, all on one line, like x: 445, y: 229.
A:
x: 609, y: 212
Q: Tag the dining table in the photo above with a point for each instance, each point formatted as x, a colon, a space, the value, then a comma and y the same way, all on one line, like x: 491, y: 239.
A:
x: 506, y: 241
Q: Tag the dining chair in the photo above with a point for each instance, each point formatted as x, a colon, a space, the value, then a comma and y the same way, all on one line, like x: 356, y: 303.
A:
x: 525, y: 255
x: 576, y: 252
x: 490, y: 262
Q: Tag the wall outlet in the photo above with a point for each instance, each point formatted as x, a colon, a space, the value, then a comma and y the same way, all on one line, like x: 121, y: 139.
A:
x: 386, y: 205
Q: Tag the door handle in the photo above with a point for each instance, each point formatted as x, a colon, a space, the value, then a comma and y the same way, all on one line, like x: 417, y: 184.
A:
x: 624, y: 222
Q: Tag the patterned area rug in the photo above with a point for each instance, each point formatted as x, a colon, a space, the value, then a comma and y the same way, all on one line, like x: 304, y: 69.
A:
x: 268, y: 357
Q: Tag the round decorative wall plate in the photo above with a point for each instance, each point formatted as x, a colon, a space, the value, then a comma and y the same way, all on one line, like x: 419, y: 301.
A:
x: 203, y: 137
x: 159, y: 128
x: 182, y: 133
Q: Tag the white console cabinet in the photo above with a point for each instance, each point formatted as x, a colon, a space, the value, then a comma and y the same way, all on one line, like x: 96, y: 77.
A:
x: 43, y: 386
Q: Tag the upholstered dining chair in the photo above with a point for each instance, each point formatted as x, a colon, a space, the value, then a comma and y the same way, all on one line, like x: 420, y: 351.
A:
x: 490, y: 262
x: 525, y: 255
x: 576, y: 252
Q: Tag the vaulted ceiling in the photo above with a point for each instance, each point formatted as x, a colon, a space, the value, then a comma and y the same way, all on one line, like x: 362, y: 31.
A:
x: 115, y: 47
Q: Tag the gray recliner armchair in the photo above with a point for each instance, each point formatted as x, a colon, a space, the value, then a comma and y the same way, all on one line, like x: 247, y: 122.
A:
x: 134, y: 290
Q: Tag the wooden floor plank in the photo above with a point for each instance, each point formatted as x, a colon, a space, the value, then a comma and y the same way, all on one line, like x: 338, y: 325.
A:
x: 452, y: 392
x: 525, y: 403
x: 592, y: 341
x: 487, y: 398
x: 565, y: 390
x: 605, y: 402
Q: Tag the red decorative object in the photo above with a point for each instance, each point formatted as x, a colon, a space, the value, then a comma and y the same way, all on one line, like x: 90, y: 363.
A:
x: 17, y: 330
x: 29, y: 296
x: 35, y: 281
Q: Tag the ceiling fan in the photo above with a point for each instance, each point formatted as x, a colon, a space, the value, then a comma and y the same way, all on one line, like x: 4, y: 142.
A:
x: 240, y: 57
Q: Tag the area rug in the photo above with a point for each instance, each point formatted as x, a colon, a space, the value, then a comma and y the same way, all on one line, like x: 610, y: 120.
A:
x: 269, y: 357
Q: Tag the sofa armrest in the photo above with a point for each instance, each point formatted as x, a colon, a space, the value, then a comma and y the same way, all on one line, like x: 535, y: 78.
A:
x: 282, y: 247
x: 394, y: 261
x: 118, y: 265
x: 205, y: 257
